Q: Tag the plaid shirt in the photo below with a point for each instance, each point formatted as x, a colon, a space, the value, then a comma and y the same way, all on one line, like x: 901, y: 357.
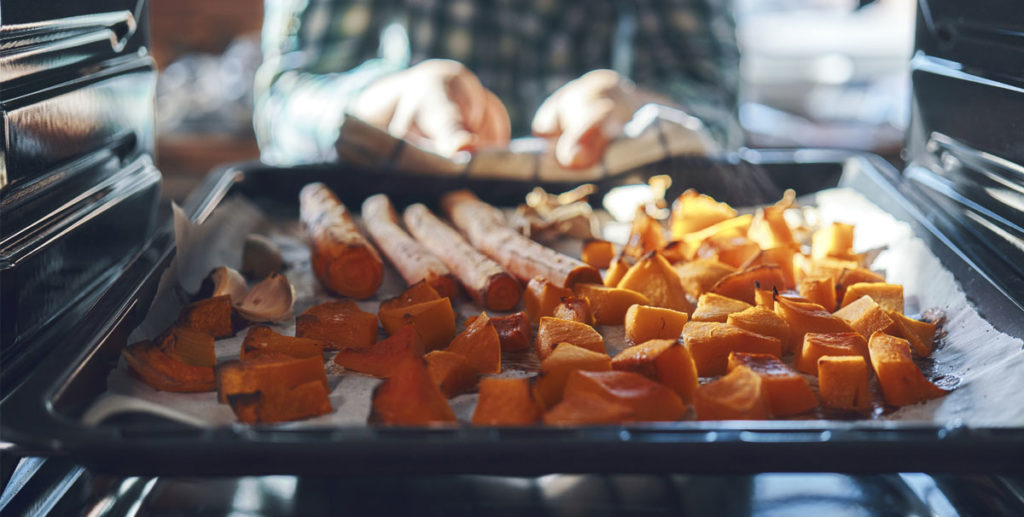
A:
x: 319, y: 54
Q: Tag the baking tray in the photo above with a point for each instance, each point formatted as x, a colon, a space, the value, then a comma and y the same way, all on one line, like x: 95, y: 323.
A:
x: 42, y: 416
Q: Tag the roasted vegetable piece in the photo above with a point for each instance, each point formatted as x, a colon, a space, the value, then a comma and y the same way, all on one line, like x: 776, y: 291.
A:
x: 920, y: 334
x: 381, y: 359
x: 888, y: 296
x: 415, y: 294
x: 553, y: 331
x: 506, y: 402
x: 343, y: 260
x: 765, y: 322
x: 164, y: 372
x: 649, y: 400
x: 556, y: 367
x: 189, y: 346
x: 855, y: 275
x: 819, y: 345
x: 692, y: 212
x: 820, y: 290
x: 808, y: 317
x: 710, y: 344
x: 645, y: 235
x: 741, y: 284
x: 598, y: 253
x: 740, y: 395
x: 410, y: 397
x: 655, y: 278
x: 211, y: 316
x: 576, y: 308
x: 451, y: 372
x: 674, y: 252
x: 616, y: 271
x: 662, y: 360
x: 901, y: 380
x: 585, y: 409
x: 480, y: 345
x: 781, y: 256
x: 865, y: 316
x: 281, y: 405
x: 609, y: 304
x: 644, y: 323
x: 786, y: 391
x: 764, y: 298
x: 261, y: 340
x: 434, y: 321
x: 731, y: 250
x: 411, y: 259
x: 541, y: 298
x: 266, y: 374
x: 337, y: 325
x: 835, y: 240
x: 715, y: 307
x: 513, y: 331
x: 735, y: 227
x: 843, y: 383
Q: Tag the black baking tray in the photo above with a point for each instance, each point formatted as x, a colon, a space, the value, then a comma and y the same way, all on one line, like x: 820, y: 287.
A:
x: 41, y: 416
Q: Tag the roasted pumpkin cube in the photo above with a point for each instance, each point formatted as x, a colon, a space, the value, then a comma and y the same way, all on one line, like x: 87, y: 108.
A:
x: 410, y: 397
x: 740, y: 395
x: 261, y: 340
x: 598, y: 253
x: 820, y: 290
x: 266, y: 374
x: 649, y: 400
x: 451, y: 372
x: 901, y: 380
x: 338, y: 325
x: 843, y: 382
x: 888, y: 296
x: 541, y: 298
x: 675, y: 252
x: 189, y: 346
x: 805, y: 317
x: 556, y: 367
x: 865, y: 316
x: 920, y: 334
x: 513, y: 330
x: 417, y: 293
x: 769, y: 228
x: 787, y: 392
x: 766, y: 323
x: 831, y: 267
x: 819, y: 345
x: 281, y: 405
x: 609, y: 304
x: 835, y: 240
x: 662, y: 360
x: 616, y: 271
x: 655, y: 278
x: 211, y: 316
x: 167, y: 373
x: 855, y: 275
x: 715, y: 307
x: 434, y: 322
x: 735, y: 227
x: 506, y: 402
x: 480, y: 345
x: 692, y: 212
x: 383, y: 357
x: 576, y: 308
x: 644, y: 323
x: 780, y: 256
x: 731, y: 250
x: 764, y: 298
x: 553, y: 331
x: 584, y: 409
x: 710, y: 344
x: 700, y: 275
x: 741, y: 284
x: 645, y: 235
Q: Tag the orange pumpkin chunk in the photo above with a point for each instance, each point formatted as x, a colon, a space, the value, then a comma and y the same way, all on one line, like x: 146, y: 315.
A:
x: 262, y: 340
x: 434, y: 322
x: 211, y: 316
x: 675, y: 252
x: 808, y: 317
x: 266, y: 374
x: 820, y: 290
x: 556, y: 367
x: 741, y: 284
x: 541, y: 298
x: 699, y: 276
x: 765, y: 322
x: 788, y: 393
x: 780, y: 256
x: 505, y: 402
x: 735, y: 227
x: 692, y: 212
x: 584, y: 409
x: 645, y: 235
x: 417, y: 293
x: 710, y: 344
x: 740, y: 395
x: 553, y: 331
x: 733, y: 251
x: 451, y: 372
x: 855, y: 275
x: 609, y: 304
x: 835, y: 240
x: 164, y: 372
x: 831, y: 267
x: 189, y: 346
x: 598, y: 253
x: 616, y: 271
x: 920, y: 334
x: 662, y: 360
x: 644, y: 323
x: 338, y: 325
x: 715, y: 307
x: 901, y: 380
x: 576, y: 308
x: 285, y: 405
x: 865, y: 316
x: 764, y: 298
x: 410, y: 397
x: 888, y: 296
x: 819, y: 345
x: 383, y: 357
x: 513, y: 330
x: 843, y: 383
x: 655, y: 278
x: 480, y: 345
x: 649, y: 400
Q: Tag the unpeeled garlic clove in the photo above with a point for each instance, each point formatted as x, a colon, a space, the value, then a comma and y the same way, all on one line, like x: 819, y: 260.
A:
x: 271, y: 300
x: 224, y: 280
x: 261, y: 256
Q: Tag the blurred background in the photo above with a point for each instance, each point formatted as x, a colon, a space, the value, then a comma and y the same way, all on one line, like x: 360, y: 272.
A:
x: 815, y: 73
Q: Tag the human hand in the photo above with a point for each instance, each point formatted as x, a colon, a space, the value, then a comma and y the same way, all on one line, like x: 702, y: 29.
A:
x: 438, y: 104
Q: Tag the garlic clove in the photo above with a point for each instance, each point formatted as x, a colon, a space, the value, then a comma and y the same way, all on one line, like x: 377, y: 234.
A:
x: 271, y: 300
x: 223, y: 280
x: 261, y: 256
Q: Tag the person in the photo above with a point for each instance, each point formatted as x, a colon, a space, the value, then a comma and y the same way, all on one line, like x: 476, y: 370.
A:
x: 464, y: 74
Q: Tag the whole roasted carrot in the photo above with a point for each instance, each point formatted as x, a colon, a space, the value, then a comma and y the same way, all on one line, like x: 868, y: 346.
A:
x: 487, y: 230
x: 412, y: 260
x: 482, y: 278
x: 343, y: 260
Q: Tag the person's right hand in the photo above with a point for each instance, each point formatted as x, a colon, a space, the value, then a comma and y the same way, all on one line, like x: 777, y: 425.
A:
x: 438, y: 104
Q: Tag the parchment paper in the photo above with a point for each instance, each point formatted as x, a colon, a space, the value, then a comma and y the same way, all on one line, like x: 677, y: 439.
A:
x: 985, y: 366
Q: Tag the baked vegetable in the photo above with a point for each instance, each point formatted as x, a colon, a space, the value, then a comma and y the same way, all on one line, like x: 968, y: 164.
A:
x: 263, y: 341
x: 760, y: 320
x: 337, y: 325
x: 662, y: 360
x: 740, y: 395
x: 598, y: 253
x: 710, y: 344
x: 817, y: 345
x: 211, y: 316
x: 553, y: 331
x: 164, y: 372
x: 451, y: 372
x: 715, y: 307
x: 576, y: 308
x: 644, y: 323
x: 786, y: 391
x: 648, y: 400
x: 609, y: 304
x: 381, y: 359
x: 555, y: 370
x: 820, y: 290
x: 865, y: 316
x: 655, y: 278
x: 409, y: 397
x: 513, y: 331
x: 541, y: 298
x: 505, y: 402
x: 274, y: 388
x: 699, y: 276
x: 741, y: 284
x: 434, y: 322
x: 480, y: 345
x: 843, y: 382
x: 901, y: 380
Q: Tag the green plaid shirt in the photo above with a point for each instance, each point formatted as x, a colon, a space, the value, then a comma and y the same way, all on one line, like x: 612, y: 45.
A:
x: 318, y: 54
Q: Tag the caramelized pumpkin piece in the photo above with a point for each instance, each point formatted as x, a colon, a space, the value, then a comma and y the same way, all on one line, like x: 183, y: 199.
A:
x: 417, y: 293
x: 780, y: 256
x: 787, y: 392
x: 735, y: 227
x: 831, y: 267
x: 699, y: 276
x: 901, y: 380
x: 383, y: 357
x: 616, y: 271
x: 645, y: 235
x: 598, y: 253
x: 266, y: 374
x: 189, y: 346
x: 576, y: 308
x: 649, y: 400
x: 692, y: 212
x: 765, y: 322
x: 675, y: 252
x: 819, y: 345
x: 338, y: 325
x: 261, y: 340
x: 764, y: 298
x: 843, y: 383
x: 920, y: 334
x: 609, y: 304
x: 434, y: 322
x: 585, y: 409
x: 281, y: 405
x: 731, y: 250
x: 655, y: 278
x: 505, y: 402
x: 480, y: 345
x: 451, y: 372
x: 715, y: 307
x: 710, y: 344
x: 513, y: 330
x: 855, y: 275
x: 808, y: 317
x: 410, y: 397
x: 865, y: 316
x: 740, y: 395
x: 820, y: 290
x: 644, y: 323
x: 553, y: 331
x: 211, y: 316
x: 835, y: 240
x: 164, y: 372
x: 541, y: 298
x: 741, y: 284
x: 556, y: 367
x: 888, y: 296
x: 662, y: 360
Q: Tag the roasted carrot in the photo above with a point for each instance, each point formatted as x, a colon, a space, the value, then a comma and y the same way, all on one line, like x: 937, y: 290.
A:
x: 412, y: 260
x: 343, y: 260
x: 484, y: 280
x: 487, y: 230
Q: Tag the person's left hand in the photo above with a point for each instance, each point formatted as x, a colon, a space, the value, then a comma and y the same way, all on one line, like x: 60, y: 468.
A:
x: 585, y: 114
